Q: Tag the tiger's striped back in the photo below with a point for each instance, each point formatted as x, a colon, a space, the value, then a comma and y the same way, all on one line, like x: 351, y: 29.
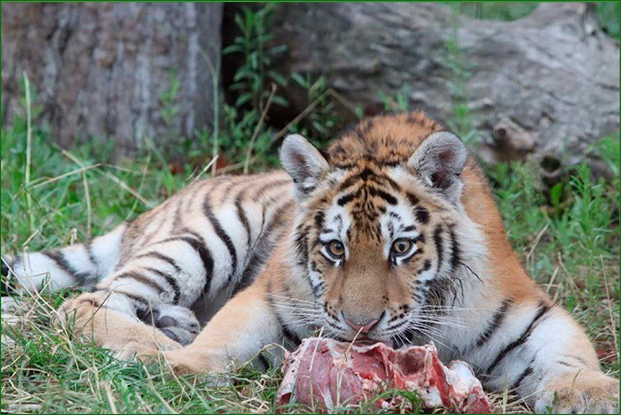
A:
x: 208, y: 240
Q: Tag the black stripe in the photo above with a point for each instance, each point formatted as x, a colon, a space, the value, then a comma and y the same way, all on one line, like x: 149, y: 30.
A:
x: 153, y: 216
x: 388, y: 163
x: 59, y: 258
x: 5, y: 267
x: 421, y: 238
x: 241, y: 215
x: 354, y: 179
x: 412, y: 198
x: 142, y: 302
x: 563, y: 363
x: 497, y: 320
x: 159, y: 255
x: 543, y: 308
x: 426, y: 265
x: 261, y: 251
x: 527, y: 372
x: 232, y: 184
x: 390, y: 199
x: 437, y: 239
x: 203, y: 252
x: 177, y: 218
x: 343, y: 200
x: 301, y: 246
x: 270, y: 185
x: 222, y: 235
x: 143, y: 279
x: 243, y: 218
x: 89, y: 249
x: 391, y: 182
x: 367, y: 175
x: 60, y: 261
x: 345, y: 166
x: 455, y: 249
x: 170, y: 280
x: 319, y: 219
x: 197, y: 243
x: 422, y: 214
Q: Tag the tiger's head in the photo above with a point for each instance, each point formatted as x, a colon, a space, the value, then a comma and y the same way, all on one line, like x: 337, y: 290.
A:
x: 377, y: 229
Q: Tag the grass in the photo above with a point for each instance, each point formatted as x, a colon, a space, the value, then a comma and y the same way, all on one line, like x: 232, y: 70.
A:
x: 567, y: 237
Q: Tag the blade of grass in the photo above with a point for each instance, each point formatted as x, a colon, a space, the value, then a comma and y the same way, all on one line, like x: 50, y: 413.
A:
x: 28, y: 151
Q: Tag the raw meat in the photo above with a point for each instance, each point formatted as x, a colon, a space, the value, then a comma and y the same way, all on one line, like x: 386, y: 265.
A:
x: 328, y: 375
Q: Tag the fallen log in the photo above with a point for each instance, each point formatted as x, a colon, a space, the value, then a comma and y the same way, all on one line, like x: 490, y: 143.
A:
x: 544, y: 85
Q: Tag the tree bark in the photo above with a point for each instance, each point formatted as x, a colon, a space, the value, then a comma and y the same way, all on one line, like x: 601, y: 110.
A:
x: 546, y: 84
x: 101, y: 71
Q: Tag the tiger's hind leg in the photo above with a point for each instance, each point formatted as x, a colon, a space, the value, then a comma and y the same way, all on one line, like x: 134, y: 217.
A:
x: 154, y: 287
x: 110, y: 327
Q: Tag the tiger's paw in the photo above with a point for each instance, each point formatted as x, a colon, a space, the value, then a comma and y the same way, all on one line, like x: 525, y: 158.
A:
x: 176, y: 322
x: 584, y: 393
x: 189, y: 360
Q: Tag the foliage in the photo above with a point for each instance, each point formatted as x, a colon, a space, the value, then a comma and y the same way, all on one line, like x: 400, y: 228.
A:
x: 399, y: 103
x: 256, y: 84
x: 608, y: 14
x: 252, y: 77
x: 321, y: 121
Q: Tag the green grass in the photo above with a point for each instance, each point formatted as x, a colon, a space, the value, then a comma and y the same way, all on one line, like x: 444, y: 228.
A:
x: 567, y: 237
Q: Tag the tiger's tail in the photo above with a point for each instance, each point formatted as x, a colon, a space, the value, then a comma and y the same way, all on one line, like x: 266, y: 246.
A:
x: 79, y: 265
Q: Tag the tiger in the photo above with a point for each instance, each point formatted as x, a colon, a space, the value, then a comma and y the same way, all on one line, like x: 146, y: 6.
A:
x: 391, y: 235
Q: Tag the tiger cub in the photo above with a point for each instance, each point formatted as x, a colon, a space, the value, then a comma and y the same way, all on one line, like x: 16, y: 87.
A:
x: 391, y: 236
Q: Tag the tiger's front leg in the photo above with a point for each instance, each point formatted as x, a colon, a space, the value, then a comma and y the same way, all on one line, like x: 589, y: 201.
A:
x: 540, y: 352
x: 236, y: 334
x: 567, y: 376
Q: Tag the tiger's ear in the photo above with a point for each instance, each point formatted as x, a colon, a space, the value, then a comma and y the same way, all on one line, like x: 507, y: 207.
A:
x: 439, y: 161
x: 304, y: 163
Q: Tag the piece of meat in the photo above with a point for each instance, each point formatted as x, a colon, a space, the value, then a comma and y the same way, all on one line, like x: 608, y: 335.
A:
x: 325, y: 375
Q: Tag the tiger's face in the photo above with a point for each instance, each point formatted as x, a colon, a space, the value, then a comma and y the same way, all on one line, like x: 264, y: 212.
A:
x: 376, y: 237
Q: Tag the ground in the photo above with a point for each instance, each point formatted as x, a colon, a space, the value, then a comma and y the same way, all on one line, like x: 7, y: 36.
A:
x: 567, y: 237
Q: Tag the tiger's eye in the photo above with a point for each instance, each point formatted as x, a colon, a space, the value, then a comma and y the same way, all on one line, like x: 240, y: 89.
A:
x: 401, y: 246
x: 336, y: 248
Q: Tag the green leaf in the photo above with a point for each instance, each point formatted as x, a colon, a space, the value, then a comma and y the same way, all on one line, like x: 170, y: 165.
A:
x: 555, y: 194
x: 299, y: 79
x: 278, y: 100
x: 231, y: 49
x: 278, y: 78
x: 242, y: 99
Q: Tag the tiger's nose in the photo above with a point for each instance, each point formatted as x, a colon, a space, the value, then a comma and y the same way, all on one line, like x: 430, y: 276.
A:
x: 362, y: 325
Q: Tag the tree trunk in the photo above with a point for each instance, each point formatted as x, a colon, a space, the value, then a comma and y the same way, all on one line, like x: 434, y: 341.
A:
x: 109, y: 71
x: 546, y: 84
